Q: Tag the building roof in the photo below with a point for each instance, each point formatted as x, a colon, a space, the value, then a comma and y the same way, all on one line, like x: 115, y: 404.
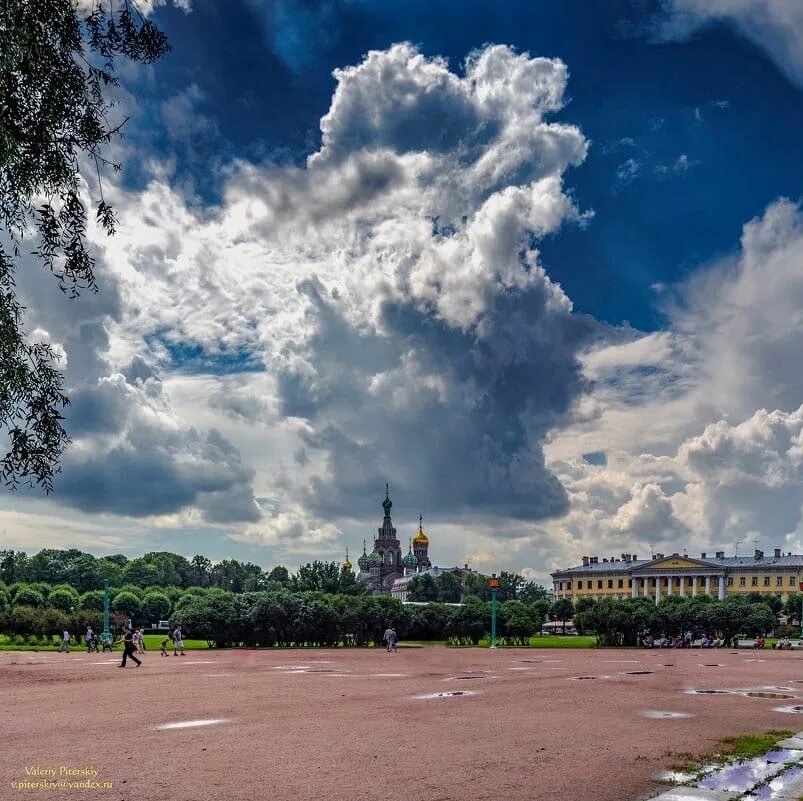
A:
x: 728, y: 562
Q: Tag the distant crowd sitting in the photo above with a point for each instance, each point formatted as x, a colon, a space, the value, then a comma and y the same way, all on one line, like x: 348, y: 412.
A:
x: 685, y: 641
x: 706, y: 641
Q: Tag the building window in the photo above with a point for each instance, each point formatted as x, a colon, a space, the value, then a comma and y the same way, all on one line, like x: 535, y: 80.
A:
x: 690, y: 581
x: 390, y: 557
x: 610, y: 584
x: 568, y: 585
x: 666, y: 582
x: 779, y: 581
x: 754, y: 581
x: 599, y: 584
x: 630, y: 583
x: 766, y: 581
x: 579, y: 585
x: 791, y: 581
x: 730, y: 581
x: 621, y: 583
x: 742, y: 581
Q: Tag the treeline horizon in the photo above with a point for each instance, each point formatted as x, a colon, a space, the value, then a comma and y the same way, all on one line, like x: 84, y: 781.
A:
x: 231, y: 602
x: 85, y: 572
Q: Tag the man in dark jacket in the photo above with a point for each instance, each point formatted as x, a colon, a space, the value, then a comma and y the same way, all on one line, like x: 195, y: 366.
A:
x: 128, y: 648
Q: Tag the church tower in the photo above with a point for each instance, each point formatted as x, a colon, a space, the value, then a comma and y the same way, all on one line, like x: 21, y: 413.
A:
x: 386, y: 545
x: 421, y: 546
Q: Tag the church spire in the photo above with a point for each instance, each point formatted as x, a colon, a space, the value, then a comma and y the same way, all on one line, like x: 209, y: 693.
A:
x: 387, y: 531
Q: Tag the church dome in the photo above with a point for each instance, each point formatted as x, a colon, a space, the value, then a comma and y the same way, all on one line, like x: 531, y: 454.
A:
x: 363, y: 560
x: 346, y: 563
x: 421, y: 538
x: 374, y: 559
x: 409, y: 560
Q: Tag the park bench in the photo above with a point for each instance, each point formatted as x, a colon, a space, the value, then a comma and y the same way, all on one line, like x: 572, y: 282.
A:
x: 744, y: 643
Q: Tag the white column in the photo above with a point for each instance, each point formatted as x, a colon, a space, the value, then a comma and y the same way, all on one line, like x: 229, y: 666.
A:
x: 708, y: 585
x: 721, y: 587
x: 634, y: 589
x: 657, y: 589
x: 646, y: 587
x: 693, y: 586
x: 682, y: 580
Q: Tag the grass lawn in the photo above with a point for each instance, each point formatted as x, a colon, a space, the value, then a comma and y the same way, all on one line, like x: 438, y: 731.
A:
x: 152, y: 642
x: 552, y: 641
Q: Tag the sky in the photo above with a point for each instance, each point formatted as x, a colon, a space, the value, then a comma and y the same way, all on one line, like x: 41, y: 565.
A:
x: 537, y: 265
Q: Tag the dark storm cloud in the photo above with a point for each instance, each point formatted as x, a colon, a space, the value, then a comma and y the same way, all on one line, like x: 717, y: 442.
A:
x: 464, y: 433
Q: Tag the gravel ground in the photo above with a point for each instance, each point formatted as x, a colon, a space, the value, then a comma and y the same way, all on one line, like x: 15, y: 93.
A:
x: 356, y: 724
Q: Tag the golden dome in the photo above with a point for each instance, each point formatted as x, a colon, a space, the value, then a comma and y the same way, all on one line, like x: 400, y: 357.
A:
x: 421, y: 538
x: 346, y: 563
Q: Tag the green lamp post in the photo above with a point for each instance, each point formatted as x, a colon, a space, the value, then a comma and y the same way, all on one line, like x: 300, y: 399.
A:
x: 801, y: 610
x: 106, y: 633
x: 493, y: 584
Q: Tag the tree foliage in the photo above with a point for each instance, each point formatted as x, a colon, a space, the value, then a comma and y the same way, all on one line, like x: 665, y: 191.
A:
x: 56, y: 67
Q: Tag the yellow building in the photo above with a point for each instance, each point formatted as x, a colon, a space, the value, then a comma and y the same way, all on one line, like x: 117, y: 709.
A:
x: 718, y: 575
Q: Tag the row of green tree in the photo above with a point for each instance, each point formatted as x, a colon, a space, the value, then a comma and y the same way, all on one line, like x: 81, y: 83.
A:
x: 284, y: 618
x: 627, y: 622
x: 158, y: 570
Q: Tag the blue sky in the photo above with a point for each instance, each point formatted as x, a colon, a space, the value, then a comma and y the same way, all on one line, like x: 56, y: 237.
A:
x: 593, y: 350
x: 718, y: 100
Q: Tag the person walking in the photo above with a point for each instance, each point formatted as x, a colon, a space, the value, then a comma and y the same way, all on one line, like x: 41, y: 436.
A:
x: 128, y: 648
x: 65, y: 641
x: 91, y: 640
x: 390, y: 638
x: 178, y: 641
x: 107, y: 642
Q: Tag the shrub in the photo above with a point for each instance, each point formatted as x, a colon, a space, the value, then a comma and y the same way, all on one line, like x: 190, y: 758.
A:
x: 29, y: 597
x: 64, y: 599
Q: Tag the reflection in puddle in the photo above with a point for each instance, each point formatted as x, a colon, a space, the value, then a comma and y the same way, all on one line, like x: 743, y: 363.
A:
x: 450, y: 694
x: 777, y: 787
x: 741, y: 777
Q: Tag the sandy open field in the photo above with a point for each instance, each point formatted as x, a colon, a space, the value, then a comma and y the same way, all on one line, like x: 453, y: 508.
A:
x: 354, y: 724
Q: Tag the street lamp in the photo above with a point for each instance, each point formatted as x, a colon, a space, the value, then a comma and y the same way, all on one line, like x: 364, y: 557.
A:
x: 106, y: 633
x: 801, y: 609
x: 493, y: 584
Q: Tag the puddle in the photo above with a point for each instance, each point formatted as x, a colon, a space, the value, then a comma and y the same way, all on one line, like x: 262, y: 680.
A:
x: 449, y: 694
x: 655, y: 714
x: 466, y: 678
x: 189, y: 724
x: 779, y: 786
x: 672, y: 665
x: 586, y: 678
x: 675, y: 777
x: 776, y: 696
x: 794, y: 710
x: 741, y: 777
x: 638, y: 673
x: 709, y: 692
x: 783, y: 755
x: 712, y: 664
